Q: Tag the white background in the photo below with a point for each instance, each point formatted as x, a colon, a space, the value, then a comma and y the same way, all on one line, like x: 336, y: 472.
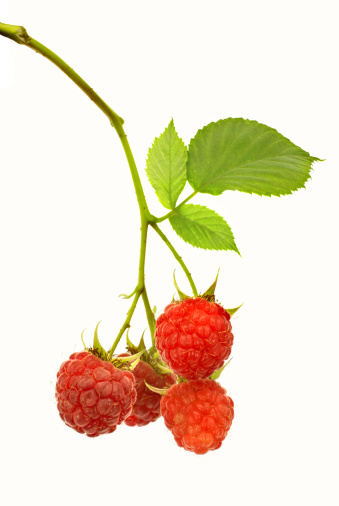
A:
x: 70, y: 238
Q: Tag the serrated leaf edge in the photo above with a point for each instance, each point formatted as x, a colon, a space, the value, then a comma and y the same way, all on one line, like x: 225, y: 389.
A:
x: 200, y: 247
x: 156, y: 139
x: 312, y: 159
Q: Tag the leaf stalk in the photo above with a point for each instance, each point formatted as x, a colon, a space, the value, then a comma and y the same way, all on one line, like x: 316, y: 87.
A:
x: 174, y: 211
x: 177, y: 257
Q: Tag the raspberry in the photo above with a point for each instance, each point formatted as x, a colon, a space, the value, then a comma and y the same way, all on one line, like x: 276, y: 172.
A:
x: 194, y: 337
x: 198, y: 413
x: 147, y: 406
x: 93, y: 396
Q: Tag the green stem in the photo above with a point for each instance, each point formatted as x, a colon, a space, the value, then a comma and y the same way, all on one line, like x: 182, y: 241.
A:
x: 145, y: 215
x: 140, y: 288
x: 177, y: 257
x: 19, y: 34
x: 126, y: 323
x: 150, y: 315
x: 173, y: 212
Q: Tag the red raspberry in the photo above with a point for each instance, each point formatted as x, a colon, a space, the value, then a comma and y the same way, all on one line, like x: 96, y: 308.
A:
x: 194, y: 337
x: 147, y: 406
x: 93, y: 396
x: 198, y: 413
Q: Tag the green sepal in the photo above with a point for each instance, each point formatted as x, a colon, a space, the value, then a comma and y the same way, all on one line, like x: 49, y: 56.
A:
x: 100, y: 350
x: 180, y: 379
x: 152, y: 357
x: 217, y: 373
x: 141, y: 345
x: 161, y: 391
x: 232, y: 311
x: 132, y: 365
x: 130, y: 346
x: 129, y: 358
x: 209, y: 294
x: 163, y: 369
x: 129, y: 362
x: 82, y: 339
x: 182, y: 295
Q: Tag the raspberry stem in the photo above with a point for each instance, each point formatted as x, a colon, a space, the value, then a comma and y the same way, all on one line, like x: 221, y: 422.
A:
x: 140, y: 290
x: 177, y: 257
x: 19, y: 34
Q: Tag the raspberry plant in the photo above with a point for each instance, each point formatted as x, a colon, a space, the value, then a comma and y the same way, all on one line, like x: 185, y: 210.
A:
x: 97, y: 390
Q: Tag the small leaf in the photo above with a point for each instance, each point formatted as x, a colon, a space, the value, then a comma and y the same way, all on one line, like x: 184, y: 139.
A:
x: 231, y: 312
x: 182, y: 295
x: 217, y: 373
x: 166, y: 166
x: 203, y: 228
x: 239, y: 154
x: 210, y: 291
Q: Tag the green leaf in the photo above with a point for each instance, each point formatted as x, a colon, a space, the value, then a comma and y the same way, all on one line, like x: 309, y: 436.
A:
x: 239, y: 154
x: 166, y: 166
x: 203, y: 228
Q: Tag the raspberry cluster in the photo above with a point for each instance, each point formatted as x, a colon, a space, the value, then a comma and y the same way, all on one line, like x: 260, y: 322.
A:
x: 193, y: 338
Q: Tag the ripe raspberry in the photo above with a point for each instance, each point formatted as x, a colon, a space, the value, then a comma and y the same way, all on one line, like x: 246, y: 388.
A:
x: 146, y: 408
x: 194, y: 337
x: 93, y: 396
x: 198, y: 413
